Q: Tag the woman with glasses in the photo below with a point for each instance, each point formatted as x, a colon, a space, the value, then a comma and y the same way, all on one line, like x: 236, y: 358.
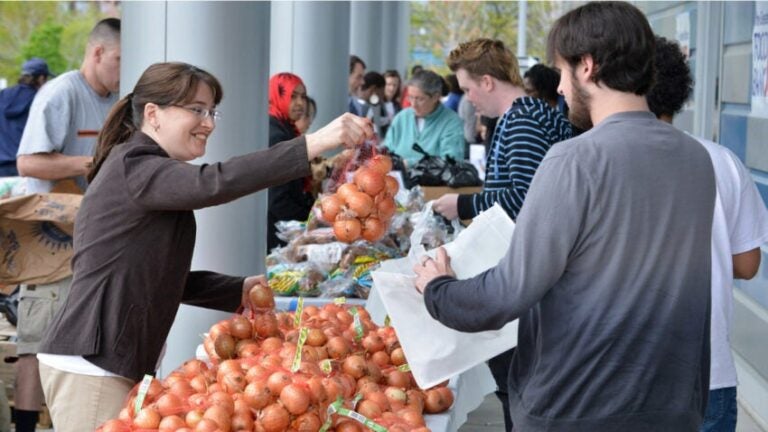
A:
x: 135, y: 235
x: 438, y: 130
x: 291, y: 200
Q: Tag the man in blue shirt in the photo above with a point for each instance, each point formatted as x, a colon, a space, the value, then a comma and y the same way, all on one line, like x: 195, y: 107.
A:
x: 14, y: 110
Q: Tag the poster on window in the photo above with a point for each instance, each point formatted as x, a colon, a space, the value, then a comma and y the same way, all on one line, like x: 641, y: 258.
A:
x: 759, y: 87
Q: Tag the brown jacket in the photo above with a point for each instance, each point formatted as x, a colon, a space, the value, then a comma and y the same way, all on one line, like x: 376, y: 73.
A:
x: 134, y: 238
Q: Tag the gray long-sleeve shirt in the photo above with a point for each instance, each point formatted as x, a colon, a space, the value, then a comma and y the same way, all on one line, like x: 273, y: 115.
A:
x: 609, y: 273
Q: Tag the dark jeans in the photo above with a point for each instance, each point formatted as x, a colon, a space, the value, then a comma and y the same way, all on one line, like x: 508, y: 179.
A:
x: 721, y: 411
x: 499, y: 366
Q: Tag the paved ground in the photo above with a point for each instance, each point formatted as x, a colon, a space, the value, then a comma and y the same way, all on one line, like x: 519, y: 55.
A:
x: 488, y: 418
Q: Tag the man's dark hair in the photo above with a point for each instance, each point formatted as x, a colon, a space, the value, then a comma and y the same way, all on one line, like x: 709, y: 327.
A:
x: 313, y: 105
x: 416, y: 69
x: 545, y: 80
x: 373, y: 79
x: 105, y: 31
x: 673, y: 83
x: 618, y: 38
x: 353, y: 60
x: 453, y: 84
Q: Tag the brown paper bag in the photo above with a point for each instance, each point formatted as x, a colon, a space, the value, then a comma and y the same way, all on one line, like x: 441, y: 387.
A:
x: 36, y: 237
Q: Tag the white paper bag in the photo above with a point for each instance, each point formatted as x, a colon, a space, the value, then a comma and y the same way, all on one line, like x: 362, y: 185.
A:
x: 435, y: 352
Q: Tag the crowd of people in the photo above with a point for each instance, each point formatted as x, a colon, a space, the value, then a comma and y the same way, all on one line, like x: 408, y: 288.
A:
x: 629, y: 232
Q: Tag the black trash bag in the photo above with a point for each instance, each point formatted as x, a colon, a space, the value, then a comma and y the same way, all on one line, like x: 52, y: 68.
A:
x: 462, y: 174
x: 9, y: 306
x: 429, y: 170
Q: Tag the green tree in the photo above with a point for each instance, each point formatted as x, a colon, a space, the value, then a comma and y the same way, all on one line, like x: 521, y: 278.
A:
x: 67, y: 23
x: 45, y: 42
x: 439, y: 26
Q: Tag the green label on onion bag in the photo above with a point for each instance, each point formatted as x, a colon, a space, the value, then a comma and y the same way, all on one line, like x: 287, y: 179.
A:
x: 387, y: 321
x: 358, y: 325
x: 358, y: 397
x: 365, y: 421
x: 326, y: 366
x: 332, y: 408
x: 297, y: 358
x: 143, y: 389
x: 299, y: 310
x: 404, y: 368
x: 339, y: 300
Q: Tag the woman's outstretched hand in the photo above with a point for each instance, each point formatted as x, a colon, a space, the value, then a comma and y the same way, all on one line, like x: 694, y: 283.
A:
x: 347, y: 130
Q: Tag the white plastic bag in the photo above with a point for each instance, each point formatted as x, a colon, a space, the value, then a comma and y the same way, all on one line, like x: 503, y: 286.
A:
x: 435, y: 352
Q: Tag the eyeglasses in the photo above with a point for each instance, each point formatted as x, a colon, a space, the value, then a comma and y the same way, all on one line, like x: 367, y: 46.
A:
x: 203, y: 113
x: 418, y: 99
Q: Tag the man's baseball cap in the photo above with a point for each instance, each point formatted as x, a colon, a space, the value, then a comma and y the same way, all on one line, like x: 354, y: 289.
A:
x: 35, y: 66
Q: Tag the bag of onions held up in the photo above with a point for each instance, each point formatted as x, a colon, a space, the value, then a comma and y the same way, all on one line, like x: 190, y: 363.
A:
x: 363, y: 202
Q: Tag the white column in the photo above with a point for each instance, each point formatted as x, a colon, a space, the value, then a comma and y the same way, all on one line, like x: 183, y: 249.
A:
x: 707, y: 63
x: 366, y: 33
x: 230, y: 40
x: 311, y: 39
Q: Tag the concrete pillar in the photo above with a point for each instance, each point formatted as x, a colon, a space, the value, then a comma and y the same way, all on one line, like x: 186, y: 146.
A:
x: 311, y: 39
x: 367, y: 33
x: 230, y: 40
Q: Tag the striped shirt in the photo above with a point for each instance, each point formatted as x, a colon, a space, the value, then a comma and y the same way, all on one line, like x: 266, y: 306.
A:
x: 522, y: 137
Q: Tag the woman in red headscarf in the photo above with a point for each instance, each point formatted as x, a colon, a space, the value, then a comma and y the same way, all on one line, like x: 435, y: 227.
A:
x: 292, y: 200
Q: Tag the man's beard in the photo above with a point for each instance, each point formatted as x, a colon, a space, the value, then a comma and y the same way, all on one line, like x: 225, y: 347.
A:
x: 578, y: 109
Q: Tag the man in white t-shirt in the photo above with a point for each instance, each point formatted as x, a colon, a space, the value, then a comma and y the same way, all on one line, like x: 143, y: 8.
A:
x: 739, y: 227
x: 58, y: 143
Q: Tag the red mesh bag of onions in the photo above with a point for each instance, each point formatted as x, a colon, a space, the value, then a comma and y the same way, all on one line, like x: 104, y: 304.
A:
x: 360, y: 200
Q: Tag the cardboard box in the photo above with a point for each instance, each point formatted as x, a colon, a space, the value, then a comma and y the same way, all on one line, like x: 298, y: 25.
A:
x: 7, y: 366
x: 434, y: 192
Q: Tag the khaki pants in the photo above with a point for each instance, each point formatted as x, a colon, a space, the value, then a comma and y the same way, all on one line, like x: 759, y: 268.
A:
x: 82, y: 402
x: 37, y: 306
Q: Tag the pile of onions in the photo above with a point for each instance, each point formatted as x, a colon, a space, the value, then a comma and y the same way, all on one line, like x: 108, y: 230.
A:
x: 250, y: 384
x: 364, y: 207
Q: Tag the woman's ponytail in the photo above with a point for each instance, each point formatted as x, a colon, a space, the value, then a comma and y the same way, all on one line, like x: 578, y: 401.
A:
x: 118, y: 127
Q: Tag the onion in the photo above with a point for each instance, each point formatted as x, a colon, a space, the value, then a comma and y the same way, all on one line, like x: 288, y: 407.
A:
x: 193, y: 417
x: 223, y: 400
x: 199, y: 384
x: 274, y: 418
x: 262, y: 297
x: 242, y: 422
x: 115, y: 426
x: 337, y: 347
x: 398, y: 356
x: 391, y: 186
x: 147, y: 418
x: 346, y: 189
x: 233, y: 382
x: 415, y: 399
x: 396, y: 378
x: 438, y: 400
x: 240, y: 327
x: 257, y: 395
x: 307, y: 422
x: 369, y: 409
x: 316, y: 337
x: 359, y: 203
x: 396, y: 396
x: 265, y: 324
x: 317, y: 394
x: 380, y: 163
x: 219, y: 415
x: 295, y: 399
x: 169, y: 404
x: 349, y: 426
x: 224, y: 346
x: 221, y: 327
x: 381, y: 358
x: 347, y: 230
x: 369, y: 181
x: 277, y: 381
x: 172, y: 423
x: 379, y: 399
x: 385, y: 207
x: 208, y: 425
x: 373, y: 229
x: 247, y: 348
x: 354, y: 366
x: 330, y: 206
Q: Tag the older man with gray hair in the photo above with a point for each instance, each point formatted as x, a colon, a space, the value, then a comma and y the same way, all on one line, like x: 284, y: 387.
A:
x: 438, y: 130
